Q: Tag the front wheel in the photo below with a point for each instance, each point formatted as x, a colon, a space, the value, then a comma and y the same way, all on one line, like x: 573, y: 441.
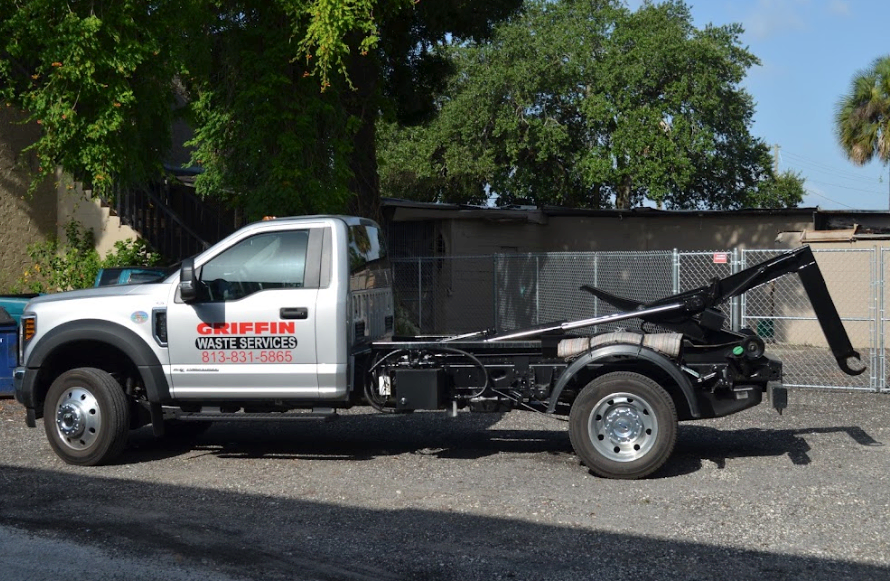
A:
x: 623, y: 425
x: 86, y: 417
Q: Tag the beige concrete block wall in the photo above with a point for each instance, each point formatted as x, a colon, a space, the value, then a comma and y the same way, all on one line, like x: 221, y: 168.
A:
x: 24, y: 219
x: 75, y: 204
x: 33, y: 218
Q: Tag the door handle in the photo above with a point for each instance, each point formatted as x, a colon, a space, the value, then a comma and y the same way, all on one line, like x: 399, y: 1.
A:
x: 294, y: 313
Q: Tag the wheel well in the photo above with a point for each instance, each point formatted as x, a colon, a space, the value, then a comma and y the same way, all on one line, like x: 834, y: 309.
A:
x: 84, y: 353
x: 643, y: 367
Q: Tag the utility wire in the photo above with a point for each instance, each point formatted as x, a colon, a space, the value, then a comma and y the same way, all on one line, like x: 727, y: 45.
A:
x: 848, y: 187
x: 795, y: 159
x: 811, y: 166
x: 814, y: 193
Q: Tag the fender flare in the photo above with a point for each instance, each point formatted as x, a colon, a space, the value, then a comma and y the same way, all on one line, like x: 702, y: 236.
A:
x: 118, y: 336
x: 607, y: 352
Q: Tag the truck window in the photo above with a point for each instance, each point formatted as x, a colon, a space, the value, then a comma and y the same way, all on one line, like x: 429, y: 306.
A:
x: 368, y: 266
x: 272, y: 260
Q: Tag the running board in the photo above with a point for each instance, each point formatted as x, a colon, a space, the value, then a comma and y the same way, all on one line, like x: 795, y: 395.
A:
x: 317, y: 414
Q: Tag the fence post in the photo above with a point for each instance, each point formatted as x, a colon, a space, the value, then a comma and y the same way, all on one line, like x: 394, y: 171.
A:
x: 495, y: 291
x: 675, y: 272
x: 879, y: 362
x: 735, y: 304
x: 743, y: 301
x: 537, y: 290
x: 596, y: 282
x: 419, y: 295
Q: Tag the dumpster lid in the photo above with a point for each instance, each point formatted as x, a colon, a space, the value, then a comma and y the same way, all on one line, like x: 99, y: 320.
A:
x: 6, y: 319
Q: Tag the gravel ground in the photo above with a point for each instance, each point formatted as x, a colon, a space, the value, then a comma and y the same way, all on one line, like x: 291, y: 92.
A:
x: 478, y: 497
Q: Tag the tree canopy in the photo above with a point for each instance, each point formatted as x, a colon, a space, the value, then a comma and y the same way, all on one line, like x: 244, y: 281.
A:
x: 862, y: 120
x: 584, y: 103
x: 283, y: 95
x: 576, y: 102
x: 106, y: 80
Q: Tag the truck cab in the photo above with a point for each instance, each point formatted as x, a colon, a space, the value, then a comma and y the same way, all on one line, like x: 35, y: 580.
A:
x: 285, y: 301
x: 271, y: 315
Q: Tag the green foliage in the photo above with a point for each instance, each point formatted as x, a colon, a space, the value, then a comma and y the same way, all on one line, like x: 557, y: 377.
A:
x: 74, y: 263
x: 331, y: 25
x: 266, y: 137
x: 97, y: 76
x: 783, y: 191
x: 862, y: 120
x: 283, y: 95
x: 583, y: 103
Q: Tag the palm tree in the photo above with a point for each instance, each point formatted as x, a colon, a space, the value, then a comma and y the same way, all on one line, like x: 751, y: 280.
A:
x: 863, y: 115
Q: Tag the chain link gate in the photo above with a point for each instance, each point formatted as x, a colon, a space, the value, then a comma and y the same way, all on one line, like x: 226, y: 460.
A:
x: 542, y: 288
x: 449, y: 295
x: 444, y: 295
x: 781, y: 313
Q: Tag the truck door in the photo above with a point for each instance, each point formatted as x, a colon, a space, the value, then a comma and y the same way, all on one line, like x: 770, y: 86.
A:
x: 251, y: 333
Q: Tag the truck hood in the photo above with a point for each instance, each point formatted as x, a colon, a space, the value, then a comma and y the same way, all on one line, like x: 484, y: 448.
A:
x: 104, y: 291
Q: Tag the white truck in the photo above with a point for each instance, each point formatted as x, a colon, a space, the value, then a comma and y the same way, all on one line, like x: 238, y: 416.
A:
x: 293, y: 318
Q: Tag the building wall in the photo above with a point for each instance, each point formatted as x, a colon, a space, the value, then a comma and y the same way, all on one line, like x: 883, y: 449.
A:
x: 27, y: 219
x: 24, y: 219
x: 658, y: 232
x: 75, y: 204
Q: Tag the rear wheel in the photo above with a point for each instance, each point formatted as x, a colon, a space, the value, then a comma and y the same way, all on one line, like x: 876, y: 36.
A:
x: 86, y: 417
x: 623, y: 425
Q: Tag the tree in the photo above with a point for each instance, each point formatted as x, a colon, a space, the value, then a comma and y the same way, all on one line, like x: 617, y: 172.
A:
x: 785, y: 190
x: 400, y: 77
x: 862, y: 120
x: 267, y: 138
x: 283, y: 94
x: 584, y: 103
x: 97, y: 78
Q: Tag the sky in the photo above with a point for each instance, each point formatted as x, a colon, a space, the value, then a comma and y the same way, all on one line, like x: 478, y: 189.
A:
x: 809, y: 52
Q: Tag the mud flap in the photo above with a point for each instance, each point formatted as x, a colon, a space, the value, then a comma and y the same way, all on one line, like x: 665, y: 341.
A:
x: 778, y: 396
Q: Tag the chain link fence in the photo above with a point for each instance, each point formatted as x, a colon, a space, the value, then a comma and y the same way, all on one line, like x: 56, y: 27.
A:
x: 781, y: 313
x: 446, y: 295
x: 450, y: 295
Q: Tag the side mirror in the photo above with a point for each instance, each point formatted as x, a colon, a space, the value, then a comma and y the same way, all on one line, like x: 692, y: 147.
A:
x: 188, y: 281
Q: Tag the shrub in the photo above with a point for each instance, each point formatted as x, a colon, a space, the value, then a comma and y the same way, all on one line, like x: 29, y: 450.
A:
x: 73, y: 264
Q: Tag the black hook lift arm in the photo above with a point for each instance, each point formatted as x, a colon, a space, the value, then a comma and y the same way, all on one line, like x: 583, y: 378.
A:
x: 699, y: 303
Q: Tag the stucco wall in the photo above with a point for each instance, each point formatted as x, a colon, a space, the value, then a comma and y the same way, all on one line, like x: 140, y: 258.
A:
x: 24, y: 219
x: 75, y: 204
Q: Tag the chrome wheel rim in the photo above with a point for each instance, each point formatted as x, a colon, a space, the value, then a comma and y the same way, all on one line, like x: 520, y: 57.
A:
x: 78, y: 418
x: 622, y: 427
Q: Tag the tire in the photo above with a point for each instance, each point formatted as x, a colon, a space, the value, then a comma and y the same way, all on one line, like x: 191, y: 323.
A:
x: 623, y: 425
x: 86, y: 416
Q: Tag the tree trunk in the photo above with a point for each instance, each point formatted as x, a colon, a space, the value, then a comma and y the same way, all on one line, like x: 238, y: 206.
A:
x: 361, y: 102
x: 622, y: 199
